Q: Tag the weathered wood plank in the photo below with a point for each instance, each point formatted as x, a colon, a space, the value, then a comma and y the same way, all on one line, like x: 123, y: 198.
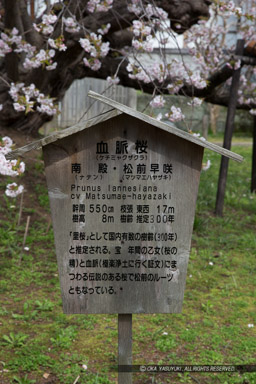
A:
x: 167, y: 127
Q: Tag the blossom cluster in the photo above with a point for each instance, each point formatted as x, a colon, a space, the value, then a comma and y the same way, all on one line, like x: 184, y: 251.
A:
x: 141, y: 29
x: 113, y: 80
x: 157, y: 102
x: 57, y: 43
x: 143, y: 36
x: 10, y: 167
x: 175, y: 72
x: 94, y: 45
x: 43, y: 57
x: 26, y: 98
x: 210, y: 46
x: 71, y: 24
x: 104, y: 29
x: 156, y: 15
x: 231, y: 8
x: 150, y: 12
x: 10, y: 39
x: 175, y: 114
x: 204, y: 45
x: 137, y: 72
x: 151, y: 19
x: 135, y: 7
x: 99, y: 5
x: 195, y: 101
x: 4, y: 46
x: 46, y: 27
x: 13, y: 189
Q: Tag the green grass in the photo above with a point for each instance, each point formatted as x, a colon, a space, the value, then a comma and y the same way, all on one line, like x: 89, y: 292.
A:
x: 219, y: 303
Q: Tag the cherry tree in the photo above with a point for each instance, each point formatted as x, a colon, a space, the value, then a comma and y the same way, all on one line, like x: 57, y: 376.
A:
x: 103, y: 38
x: 71, y: 40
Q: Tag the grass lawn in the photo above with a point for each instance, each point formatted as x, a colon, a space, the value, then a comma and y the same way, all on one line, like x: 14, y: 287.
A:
x: 39, y: 344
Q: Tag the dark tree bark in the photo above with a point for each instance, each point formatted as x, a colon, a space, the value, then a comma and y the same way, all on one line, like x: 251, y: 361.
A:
x: 70, y: 63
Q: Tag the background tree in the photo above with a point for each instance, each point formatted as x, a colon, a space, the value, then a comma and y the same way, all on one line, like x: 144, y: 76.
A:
x: 104, y: 38
x: 73, y: 40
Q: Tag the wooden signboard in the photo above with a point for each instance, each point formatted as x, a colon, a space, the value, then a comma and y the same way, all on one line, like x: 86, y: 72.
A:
x: 123, y: 190
x: 122, y: 197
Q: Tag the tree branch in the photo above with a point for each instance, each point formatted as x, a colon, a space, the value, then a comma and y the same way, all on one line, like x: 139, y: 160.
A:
x: 32, y: 36
x: 184, y: 13
x: 70, y: 64
x: 213, y: 81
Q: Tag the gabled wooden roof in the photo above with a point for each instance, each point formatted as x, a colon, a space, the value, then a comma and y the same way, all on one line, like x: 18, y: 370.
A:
x: 119, y: 108
x: 171, y: 128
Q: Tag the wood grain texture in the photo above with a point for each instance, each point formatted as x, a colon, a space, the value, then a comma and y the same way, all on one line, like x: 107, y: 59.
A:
x: 178, y: 192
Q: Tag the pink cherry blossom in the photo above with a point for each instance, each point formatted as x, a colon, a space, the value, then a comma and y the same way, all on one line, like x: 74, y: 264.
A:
x: 175, y: 114
x: 104, y: 29
x: 195, y: 101
x: 49, y: 19
x: 43, y: 57
x: 157, y: 102
x: 152, y: 10
x: 57, y: 43
x: 85, y: 44
x: 134, y: 6
x: 93, y: 64
x: 113, y: 80
x: 5, y: 145
x: 13, y: 190
x: 51, y: 67
x: 19, y: 107
x: 71, y: 24
x: 99, y: 5
x: 26, y: 97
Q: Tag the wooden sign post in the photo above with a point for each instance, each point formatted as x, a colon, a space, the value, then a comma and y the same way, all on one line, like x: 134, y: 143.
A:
x: 123, y: 191
x: 124, y: 347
